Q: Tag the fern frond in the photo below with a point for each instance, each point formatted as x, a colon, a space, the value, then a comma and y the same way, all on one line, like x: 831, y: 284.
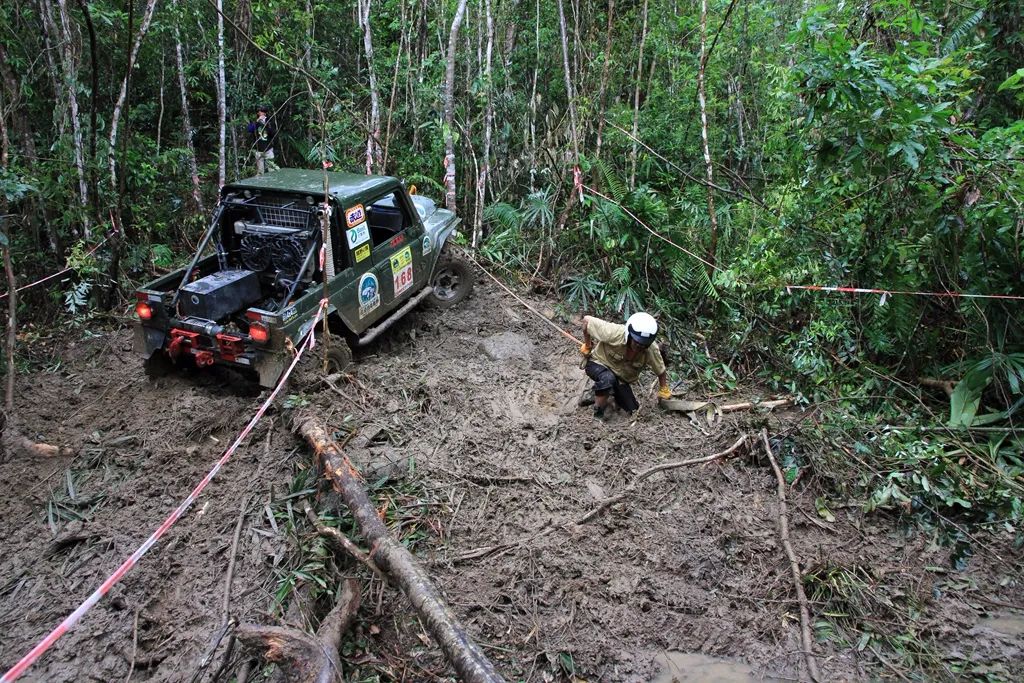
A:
x: 961, y: 32
x: 504, y: 214
x: 615, y: 186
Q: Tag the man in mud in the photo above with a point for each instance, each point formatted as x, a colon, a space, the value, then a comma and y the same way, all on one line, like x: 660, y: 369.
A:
x: 263, y: 131
x: 615, y: 356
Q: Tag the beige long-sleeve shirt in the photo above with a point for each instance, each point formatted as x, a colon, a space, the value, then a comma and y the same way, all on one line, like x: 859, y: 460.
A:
x: 610, y: 351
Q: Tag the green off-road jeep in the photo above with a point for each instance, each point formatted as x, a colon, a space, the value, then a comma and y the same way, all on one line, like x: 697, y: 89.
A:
x: 252, y: 302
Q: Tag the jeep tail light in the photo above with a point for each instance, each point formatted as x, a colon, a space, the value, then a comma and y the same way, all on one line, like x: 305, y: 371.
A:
x: 143, y: 310
x: 259, y: 333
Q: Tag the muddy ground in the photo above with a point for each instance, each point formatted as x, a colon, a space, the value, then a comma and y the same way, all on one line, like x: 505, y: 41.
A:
x: 476, y: 410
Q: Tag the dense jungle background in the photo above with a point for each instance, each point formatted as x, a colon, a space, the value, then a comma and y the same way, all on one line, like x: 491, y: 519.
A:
x: 699, y: 160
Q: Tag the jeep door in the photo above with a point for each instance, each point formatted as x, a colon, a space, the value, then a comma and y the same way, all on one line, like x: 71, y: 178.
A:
x: 396, y: 238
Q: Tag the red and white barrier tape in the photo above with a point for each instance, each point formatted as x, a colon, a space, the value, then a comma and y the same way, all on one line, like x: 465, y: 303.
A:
x: 888, y: 292
x: 104, y: 588
x: 59, y: 272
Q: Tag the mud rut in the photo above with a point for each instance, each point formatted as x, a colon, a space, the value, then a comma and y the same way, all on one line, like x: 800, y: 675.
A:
x: 482, y: 399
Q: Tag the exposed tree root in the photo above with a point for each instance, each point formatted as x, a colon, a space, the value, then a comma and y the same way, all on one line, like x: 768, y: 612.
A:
x: 302, y: 657
x: 394, y: 559
x: 794, y: 566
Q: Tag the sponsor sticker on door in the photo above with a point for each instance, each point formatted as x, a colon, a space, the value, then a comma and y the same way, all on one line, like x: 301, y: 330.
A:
x: 428, y: 244
x: 369, y: 294
x: 362, y: 253
x: 401, y: 270
x: 355, y: 215
x: 357, y: 235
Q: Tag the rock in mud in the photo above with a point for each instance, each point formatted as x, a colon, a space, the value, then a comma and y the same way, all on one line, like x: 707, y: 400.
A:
x: 507, y: 345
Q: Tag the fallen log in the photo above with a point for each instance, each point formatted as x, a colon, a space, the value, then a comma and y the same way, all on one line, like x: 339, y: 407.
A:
x: 794, y: 566
x: 394, y: 559
x: 305, y: 658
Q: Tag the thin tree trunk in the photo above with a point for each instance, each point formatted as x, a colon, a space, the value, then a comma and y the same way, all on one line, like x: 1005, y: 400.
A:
x: 602, y: 89
x: 485, y: 164
x: 69, y: 69
x: 94, y: 75
x: 403, y: 42
x: 573, y: 194
x: 122, y: 96
x: 531, y: 142
x: 12, y: 322
x: 395, y: 560
x: 222, y: 100
x: 569, y: 91
x: 713, y: 242
x: 160, y: 115
x: 636, y: 98
x: 374, y: 160
x: 449, y: 109
x: 186, y: 120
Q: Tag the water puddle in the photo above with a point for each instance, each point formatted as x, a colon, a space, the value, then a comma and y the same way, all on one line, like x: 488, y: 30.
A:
x: 688, y: 667
x: 1007, y: 624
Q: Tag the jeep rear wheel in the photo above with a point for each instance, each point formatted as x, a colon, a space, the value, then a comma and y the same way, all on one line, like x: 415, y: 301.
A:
x: 311, y: 370
x: 452, y: 283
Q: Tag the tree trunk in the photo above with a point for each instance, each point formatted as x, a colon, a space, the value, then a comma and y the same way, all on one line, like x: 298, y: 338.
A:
x: 69, y: 76
x: 531, y: 141
x: 636, y: 99
x: 713, y: 242
x: 569, y: 91
x: 449, y: 109
x: 222, y: 100
x: 563, y: 217
x: 602, y: 89
x: 485, y: 164
x: 403, y: 42
x: 394, y: 559
x: 186, y: 120
x: 122, y: 96
x: 94, y: 75
x: 374, y: 160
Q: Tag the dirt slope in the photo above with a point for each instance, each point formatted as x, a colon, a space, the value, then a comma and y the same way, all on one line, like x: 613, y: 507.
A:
x: 482, y: 400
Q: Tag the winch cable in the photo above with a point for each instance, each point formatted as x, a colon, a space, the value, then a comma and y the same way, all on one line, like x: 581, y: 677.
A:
x: 69, y: 622
x: 515, y: 296
x: 68, y: 269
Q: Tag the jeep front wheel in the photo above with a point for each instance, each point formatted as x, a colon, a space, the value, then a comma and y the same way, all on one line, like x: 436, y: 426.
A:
x: 452, y: 283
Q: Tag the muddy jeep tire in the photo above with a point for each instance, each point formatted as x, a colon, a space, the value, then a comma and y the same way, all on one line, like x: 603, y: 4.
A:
x: 311, y: 368
x: 452, y: 282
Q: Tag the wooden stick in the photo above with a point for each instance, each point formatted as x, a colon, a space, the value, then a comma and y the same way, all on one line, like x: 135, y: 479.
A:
x: 748, y: 405
x: 794, y: 566
x: 394, y: 559
x: 608, y: 502
x: 343, y: 543
x: 944, y: 384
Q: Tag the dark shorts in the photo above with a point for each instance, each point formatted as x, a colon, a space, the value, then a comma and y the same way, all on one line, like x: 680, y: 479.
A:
x: 607, y: 382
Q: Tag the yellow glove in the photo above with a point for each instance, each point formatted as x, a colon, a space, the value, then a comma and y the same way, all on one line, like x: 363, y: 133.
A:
x: 584, y: 349
x: 664, y: 392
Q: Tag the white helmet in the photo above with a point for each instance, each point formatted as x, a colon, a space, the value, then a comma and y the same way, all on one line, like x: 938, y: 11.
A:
x: 642, y: 328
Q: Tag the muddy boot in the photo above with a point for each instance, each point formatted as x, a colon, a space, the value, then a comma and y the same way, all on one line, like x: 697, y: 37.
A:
x: 587, y: 399
x: 601, y: 412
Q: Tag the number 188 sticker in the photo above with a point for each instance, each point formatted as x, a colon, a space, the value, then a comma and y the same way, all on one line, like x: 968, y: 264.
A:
x: 401, y: 270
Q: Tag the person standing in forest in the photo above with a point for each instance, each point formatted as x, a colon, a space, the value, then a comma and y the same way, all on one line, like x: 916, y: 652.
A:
x: 264, y: 132
x: 615, y: 356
